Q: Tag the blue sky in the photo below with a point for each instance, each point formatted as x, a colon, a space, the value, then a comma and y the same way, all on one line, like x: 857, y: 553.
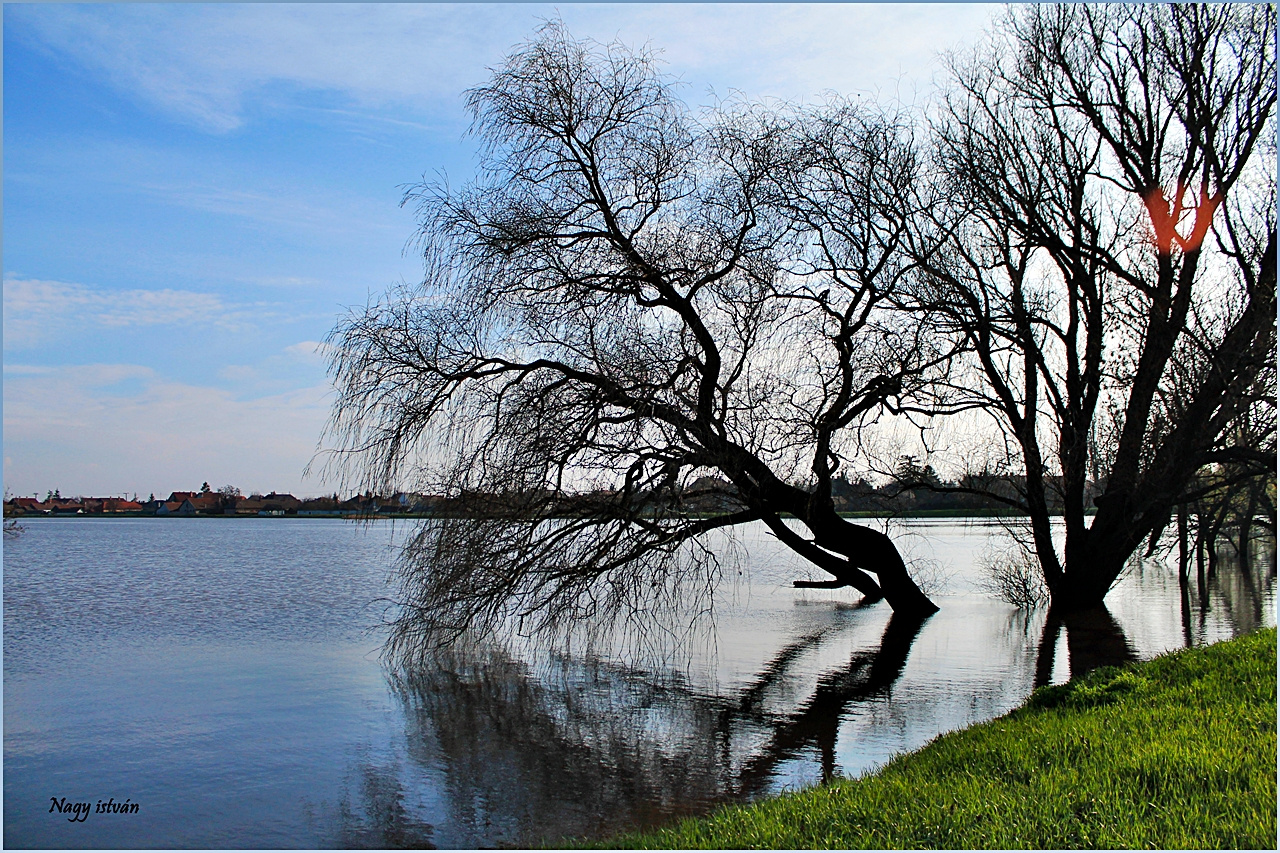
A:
x: 194, y: 193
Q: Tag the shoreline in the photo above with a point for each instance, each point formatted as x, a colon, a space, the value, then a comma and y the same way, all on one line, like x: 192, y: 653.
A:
x: 852, y: 514
x: 1172, y: 753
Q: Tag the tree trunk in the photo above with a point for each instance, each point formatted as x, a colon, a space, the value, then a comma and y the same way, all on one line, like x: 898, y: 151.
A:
x: 1245, y: 525
x: 902, y: 593
x: 1184, y: 556
x: 1084, y: 586
x: 874, y: 552
x: 1094, y: 558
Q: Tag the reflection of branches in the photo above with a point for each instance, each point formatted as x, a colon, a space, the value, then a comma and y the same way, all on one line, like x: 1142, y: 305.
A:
x: 384, y: 823
x: 1240, y: 591
x: 585, y: 747
x: 750, y: 700
x: 574, y: 749
x: 868, y: 674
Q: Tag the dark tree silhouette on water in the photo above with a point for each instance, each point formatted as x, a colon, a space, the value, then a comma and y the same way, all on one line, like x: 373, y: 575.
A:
x: 630, y: 298
x: 1103, y: 247
x: 642, y: 324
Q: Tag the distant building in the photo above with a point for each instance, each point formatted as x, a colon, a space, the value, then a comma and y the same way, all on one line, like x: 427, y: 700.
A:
x: 320, y: 507
x: 60, y: 506
x: 210, y: 503
x: 183, y: 507
x: 249, y: 506
x: 284, y: 504
x: 28, y: 506
x: 710, y: 494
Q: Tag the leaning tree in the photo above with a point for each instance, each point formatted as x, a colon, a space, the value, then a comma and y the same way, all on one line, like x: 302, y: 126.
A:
x: 634, y: 303
x: 1104, y: 250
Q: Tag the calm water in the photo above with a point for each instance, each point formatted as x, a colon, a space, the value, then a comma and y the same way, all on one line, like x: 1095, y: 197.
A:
x: 224, y: 675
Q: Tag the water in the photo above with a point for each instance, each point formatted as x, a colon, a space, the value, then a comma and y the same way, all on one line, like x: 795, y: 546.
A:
x: 224, y: 676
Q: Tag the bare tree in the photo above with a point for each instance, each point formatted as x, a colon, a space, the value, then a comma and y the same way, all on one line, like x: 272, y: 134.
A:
x: 629, y: 298
x: 1104, y: 248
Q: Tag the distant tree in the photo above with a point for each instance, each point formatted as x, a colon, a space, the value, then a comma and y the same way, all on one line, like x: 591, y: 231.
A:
x: 1103, y: 243
x: 632, y: 297
x: 229, y: 491
x: 204, y: 488
x: 910, y: 474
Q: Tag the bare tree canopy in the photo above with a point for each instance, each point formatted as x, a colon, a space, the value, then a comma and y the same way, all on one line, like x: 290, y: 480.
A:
x: 1106, y: 257
x: 639, y: 324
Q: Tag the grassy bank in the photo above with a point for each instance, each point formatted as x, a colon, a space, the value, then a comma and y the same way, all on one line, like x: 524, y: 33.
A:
x: 1178, y: 752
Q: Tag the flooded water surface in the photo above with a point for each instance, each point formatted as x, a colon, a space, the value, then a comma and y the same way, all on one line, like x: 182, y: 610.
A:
x: 224, y: 676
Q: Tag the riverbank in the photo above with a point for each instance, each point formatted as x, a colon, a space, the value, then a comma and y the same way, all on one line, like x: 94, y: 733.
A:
x: 1176, y: 752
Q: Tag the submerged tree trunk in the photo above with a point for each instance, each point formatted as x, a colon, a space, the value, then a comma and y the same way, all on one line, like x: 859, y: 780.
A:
x: 875, y: 551
x: 1245, y: 529
x: 1085, y: 582
x: 1183, y: 545
x: 865, y: 550
x: 851, y: 553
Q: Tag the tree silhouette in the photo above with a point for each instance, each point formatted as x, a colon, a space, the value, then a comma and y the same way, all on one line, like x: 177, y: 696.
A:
x: 1103, y: 245
x: 629, y: 298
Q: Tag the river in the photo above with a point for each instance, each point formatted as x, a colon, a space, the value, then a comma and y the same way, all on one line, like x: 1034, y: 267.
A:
x: 224, y: 676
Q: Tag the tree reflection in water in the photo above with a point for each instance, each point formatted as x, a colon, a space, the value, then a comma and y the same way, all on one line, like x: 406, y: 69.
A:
x: 572, y: 747
x: 513, y: 748
x: 1238, y: 590
x: 1236, y: 594
x: 383, y: 822
x: 1094, y: 639
x: 816, y: 725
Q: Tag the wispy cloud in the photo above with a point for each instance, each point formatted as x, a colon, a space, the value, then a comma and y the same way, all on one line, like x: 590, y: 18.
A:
x: 312, y: 352
x: 36, y: 310
x: 200, y: 62
x: 288, y: 209
x: 274, y: 372
x: 108, y: 428
x: 203, y: 62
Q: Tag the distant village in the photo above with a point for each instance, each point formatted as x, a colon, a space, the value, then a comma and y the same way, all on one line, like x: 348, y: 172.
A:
x: 915, y: 490
x: 223, y: 502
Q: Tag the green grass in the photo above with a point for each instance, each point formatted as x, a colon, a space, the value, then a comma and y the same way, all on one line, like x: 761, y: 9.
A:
x: 1177, y: 752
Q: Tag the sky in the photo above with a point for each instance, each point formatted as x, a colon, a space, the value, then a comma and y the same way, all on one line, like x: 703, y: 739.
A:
x: 195, y: 193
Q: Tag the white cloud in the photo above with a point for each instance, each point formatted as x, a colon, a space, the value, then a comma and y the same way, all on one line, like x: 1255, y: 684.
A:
x: 27, y: 369
x: 275, y: 371
x: 110, y: 428
x: 311, y: 352
x: 290, y: 207
x: 203, y: 62
x: 36, y: 310
x: 793, y: 51
x: 200, y: 62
